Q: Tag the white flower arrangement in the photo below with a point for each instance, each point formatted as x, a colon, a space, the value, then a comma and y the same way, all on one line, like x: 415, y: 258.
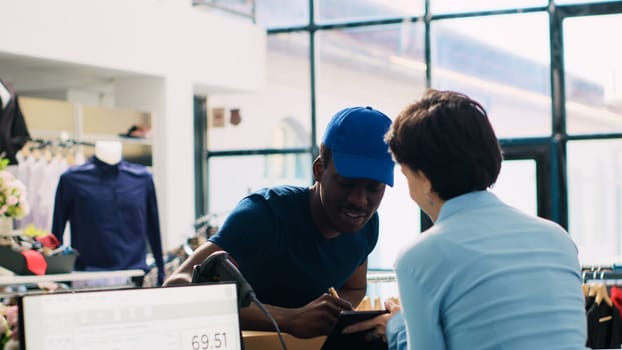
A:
x: 13, y: 202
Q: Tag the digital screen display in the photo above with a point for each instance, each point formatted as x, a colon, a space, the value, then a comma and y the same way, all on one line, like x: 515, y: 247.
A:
x: 194, y: 317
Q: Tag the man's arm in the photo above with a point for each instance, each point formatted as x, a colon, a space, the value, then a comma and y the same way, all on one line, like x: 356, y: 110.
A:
x: 356, y: 286
x: 314, y: 319
x: 183, y: 274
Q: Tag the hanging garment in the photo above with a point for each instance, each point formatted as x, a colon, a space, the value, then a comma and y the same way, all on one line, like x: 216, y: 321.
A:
x: 112, y: 211
x: 604, y: 327
x: 616, y: 296
x: 13, y: 130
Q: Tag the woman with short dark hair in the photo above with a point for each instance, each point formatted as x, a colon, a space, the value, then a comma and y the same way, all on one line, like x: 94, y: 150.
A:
x: 485, y: 275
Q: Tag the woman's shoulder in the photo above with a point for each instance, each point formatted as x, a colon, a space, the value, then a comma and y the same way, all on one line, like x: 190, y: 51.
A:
x: 427, y: 245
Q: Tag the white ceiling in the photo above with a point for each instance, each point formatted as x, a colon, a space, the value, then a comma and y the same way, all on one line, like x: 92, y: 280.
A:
x: 27, y: 74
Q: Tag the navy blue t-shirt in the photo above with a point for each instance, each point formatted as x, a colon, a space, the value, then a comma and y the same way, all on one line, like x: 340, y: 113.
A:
x: 280, y: 252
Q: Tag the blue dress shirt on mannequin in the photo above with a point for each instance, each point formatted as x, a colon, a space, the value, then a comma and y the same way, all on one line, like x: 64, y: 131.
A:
x: 112, y: 211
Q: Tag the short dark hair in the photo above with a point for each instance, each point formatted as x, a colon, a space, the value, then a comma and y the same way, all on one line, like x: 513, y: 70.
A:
x: 447, y: 136
x: 326, y: 154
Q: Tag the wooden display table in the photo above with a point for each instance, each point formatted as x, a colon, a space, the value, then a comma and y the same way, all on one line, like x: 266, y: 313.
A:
x: 259, y: 340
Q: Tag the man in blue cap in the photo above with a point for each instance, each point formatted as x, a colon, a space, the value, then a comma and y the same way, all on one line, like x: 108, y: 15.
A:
x: 293, y: 243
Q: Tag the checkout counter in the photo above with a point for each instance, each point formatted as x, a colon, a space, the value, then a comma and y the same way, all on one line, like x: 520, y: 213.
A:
x: 259, y: 340
x: 380, y: 284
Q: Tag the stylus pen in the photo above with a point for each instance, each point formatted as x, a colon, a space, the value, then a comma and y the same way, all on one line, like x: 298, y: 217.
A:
x: 333, y: 292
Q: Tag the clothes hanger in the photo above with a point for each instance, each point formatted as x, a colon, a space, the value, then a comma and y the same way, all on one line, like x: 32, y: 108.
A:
x: 602, y: 295
x: 592, y: 290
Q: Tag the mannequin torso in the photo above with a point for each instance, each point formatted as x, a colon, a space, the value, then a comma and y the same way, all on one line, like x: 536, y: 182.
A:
x: 108, y: 151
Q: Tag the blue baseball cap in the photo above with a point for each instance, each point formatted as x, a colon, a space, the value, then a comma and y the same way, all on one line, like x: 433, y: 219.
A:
x: 355, y: 135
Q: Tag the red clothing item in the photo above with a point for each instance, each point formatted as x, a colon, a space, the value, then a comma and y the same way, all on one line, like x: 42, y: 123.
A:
x: 35, y: 262
x: 49, y: 241
x: 616, y: 296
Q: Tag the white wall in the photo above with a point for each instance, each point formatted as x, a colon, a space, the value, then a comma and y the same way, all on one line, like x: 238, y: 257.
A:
x: 158, y: 54
x: 152, y: 37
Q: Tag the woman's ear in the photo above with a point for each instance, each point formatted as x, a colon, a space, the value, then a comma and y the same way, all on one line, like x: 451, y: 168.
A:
x: 427, y: 184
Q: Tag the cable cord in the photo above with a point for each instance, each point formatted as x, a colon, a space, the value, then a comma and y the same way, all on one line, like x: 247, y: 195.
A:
x: 265, y: 311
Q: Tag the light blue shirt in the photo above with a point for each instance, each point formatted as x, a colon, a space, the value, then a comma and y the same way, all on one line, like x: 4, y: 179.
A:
x: 488, y: 276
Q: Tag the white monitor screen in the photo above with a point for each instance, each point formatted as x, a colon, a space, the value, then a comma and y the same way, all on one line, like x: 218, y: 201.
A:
x: 193, y: 317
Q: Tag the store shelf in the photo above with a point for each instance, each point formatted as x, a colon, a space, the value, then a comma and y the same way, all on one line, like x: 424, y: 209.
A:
x: 122, y: 139
x: 57, y: 120
x: 17, y: 280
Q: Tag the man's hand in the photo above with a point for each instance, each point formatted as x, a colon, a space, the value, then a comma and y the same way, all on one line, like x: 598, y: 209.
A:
x: 316, y: 318
x: 376, y: 327
x: 183, y: 274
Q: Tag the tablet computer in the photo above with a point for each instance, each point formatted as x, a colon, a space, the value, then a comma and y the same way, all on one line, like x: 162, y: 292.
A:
x: 339, y: 341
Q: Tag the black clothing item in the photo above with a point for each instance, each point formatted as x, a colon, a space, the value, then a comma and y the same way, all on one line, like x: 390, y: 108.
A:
x: 589, y: 301
x: 604, y: 327
x: 13, y: 131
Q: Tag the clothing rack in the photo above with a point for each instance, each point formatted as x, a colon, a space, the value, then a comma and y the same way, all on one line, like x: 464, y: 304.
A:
x: 42, y: 143
x: 64, y: 147
x: 600, y: 272
x: 602, y: 275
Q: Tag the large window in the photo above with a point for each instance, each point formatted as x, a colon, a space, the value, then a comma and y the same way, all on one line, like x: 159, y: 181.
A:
x: 595, y: 198
x: 231, y: 178
x: 548, y: 72
x: 507, y: 69
x: 593, y: 74
x: 379, y: 66
x: 452, y: 6
x: 593, y: 88
x: 348, y: 10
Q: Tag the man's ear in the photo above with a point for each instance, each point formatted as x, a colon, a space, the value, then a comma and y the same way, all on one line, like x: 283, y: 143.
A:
x: 318, y: 168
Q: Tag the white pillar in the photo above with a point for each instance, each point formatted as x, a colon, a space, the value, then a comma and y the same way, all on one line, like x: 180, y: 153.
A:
x: 170, y: 102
